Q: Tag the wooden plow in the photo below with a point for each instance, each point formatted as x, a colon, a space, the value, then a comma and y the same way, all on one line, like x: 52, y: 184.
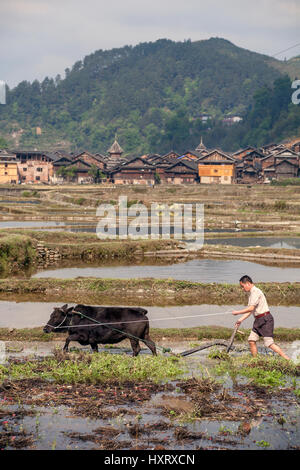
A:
x: 227, y: 344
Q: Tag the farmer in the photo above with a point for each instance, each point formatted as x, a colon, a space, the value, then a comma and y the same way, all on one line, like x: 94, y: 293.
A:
x: 264, y: 322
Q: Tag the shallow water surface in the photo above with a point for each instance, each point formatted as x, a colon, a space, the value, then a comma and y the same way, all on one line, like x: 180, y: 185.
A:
x: 197, y: 270
x: 146, y: 424
x: 30, y: 223
x: 270, y: 242
x: 34, y: 314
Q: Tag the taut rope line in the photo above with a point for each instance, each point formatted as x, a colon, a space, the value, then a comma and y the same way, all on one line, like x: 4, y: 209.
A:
x: 135, y: 321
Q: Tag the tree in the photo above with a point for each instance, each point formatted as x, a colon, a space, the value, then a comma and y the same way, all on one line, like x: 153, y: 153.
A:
x: 95, y: 173
x: 157, y: 178
x: 3, y: 143
x: 67, y: 172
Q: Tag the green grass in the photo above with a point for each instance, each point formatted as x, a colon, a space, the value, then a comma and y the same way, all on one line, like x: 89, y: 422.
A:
x: 157, y: 334
x: 262, y: 444
x: 286, y: 182
x: 95, y: 368
x: 264, y: 371
x: 16, y: 252
x: 155, y: 292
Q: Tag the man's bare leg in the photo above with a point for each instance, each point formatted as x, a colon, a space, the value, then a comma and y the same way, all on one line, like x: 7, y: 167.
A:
x: 279, y: 351
x: 253, y: 348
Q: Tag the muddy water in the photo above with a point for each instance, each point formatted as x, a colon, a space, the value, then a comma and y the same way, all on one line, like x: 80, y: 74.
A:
x: 83, y: 225
x: 33, y: 314
x: 20, y: 202
x: 54, y: 428
x: 270, y: 242
x: 30, y: 224
x: 197, y: 270
x: 59, y: 427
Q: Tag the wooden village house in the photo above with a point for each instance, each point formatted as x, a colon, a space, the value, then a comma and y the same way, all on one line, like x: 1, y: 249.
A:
x: 216, y: 167
x: 134, y: 171
x: 8, y: 169
x: 202, y: 165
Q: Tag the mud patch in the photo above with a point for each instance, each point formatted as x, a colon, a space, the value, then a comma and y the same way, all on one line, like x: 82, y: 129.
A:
x: 15, y: 440
x: 192, y: 413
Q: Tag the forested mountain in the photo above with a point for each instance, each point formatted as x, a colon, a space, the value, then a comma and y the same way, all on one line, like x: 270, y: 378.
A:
x: 153, y: 96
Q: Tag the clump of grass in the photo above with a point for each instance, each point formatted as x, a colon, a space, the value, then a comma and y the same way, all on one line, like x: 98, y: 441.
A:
x: 286, y: 182
x: 280, y: 205
x: 171, y: 190
x: 16, y: 251
x: 33, y: 193
x: 95, y: 368
x: 276, y: 363
x: 79, y: 201
x: 131, y: 203
x: 263, y: 371
x: 99, y: 285
x: 269, y: 378
x: 139, y: 190
x: 216, y: 353
x: 263, y: 443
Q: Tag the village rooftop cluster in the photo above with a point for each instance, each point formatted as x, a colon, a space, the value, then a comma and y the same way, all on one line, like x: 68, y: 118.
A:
x: 202, y: 165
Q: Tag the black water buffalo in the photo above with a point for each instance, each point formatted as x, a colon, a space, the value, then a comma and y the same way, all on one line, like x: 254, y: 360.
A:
x: 121, y: 323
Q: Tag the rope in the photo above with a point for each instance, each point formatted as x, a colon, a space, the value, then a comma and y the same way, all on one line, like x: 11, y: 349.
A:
x: 111, y: 328
x: 164, y: 350
x: 137, y: 321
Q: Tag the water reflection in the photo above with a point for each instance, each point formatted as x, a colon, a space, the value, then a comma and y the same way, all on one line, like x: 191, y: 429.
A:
x: 30, y: 223
x: 36, y: 314
x: 197, y: 270
x: 271, y: 242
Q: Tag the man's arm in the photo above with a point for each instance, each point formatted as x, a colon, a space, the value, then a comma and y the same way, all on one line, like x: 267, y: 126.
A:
x: 246, y: 313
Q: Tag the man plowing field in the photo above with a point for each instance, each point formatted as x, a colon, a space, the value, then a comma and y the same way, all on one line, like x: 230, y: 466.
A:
x: 263, y: 325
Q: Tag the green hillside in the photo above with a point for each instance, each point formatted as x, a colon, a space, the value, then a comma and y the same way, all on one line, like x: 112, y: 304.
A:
x: 290, y: 67
x: 152, y: 96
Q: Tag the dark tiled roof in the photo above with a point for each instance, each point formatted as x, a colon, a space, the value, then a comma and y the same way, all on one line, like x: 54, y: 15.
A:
x: 222, y: 154
x: 147, y: 164
x: 187, y: 163
x: 115, y: 148
x: 286, y: 160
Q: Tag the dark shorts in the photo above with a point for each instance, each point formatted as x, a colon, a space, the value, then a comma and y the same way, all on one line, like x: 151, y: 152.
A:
x: 264, y: 326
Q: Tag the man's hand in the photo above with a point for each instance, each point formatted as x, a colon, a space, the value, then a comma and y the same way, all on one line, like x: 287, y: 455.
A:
x: 236, y: 312
x: 237, y: 324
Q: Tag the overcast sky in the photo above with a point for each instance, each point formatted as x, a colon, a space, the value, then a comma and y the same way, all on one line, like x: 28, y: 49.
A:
x: 42, y: 38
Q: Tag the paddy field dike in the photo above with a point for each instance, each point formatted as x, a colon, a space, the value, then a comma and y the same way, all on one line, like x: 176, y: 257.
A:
x: 50, y: 255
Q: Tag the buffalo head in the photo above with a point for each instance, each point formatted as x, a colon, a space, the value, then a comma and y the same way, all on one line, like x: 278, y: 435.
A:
x: 57, y: 318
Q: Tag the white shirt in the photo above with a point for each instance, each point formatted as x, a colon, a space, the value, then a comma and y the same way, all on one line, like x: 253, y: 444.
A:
x: 258, y: 300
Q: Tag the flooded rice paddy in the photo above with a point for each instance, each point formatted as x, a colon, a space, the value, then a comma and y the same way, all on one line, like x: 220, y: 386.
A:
x: 75, y: 223
x: 35, y: 224
x: 187, y: 413
x: 35, y: 314
x: 176, y: 414
x: 270, y: 242
x: 196, y: 270
x: 150, y: 426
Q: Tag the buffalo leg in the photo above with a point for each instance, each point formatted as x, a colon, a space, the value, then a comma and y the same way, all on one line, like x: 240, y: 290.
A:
x: 135, y: 346
x: 151, y: 345
x: 68, y: 340
x: 94, y: 347
x: 66, y: 346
